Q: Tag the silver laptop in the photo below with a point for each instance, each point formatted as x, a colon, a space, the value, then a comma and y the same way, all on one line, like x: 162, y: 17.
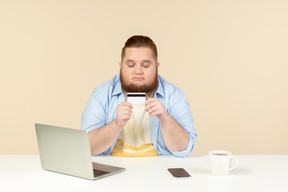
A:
x: 67, y: 151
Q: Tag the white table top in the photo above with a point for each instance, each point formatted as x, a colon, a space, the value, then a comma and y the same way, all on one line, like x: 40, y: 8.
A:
x: 254, y: 173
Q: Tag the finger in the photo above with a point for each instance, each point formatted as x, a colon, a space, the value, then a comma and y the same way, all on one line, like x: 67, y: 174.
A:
x: 125, y: 116
x: 121, y: 113
x: 129, y: 104
x: 150, y: 105
x: 148, y: 100
x: 125, y: 108
x: 125, y: 103
x: 153, y: 100
x: 154, y: 112
x: 152, y: 109
x: 126, y: 112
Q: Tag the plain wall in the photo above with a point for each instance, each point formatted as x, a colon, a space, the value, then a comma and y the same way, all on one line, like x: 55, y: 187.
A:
x: 229, y: 56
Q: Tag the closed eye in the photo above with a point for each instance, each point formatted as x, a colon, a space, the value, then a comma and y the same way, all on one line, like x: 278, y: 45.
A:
x: 146, y: 63
x: 130, y: 63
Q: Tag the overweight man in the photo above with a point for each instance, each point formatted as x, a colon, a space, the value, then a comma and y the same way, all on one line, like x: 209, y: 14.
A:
x: 163, y: 125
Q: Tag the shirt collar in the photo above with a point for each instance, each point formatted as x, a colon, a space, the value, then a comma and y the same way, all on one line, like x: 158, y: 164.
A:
x: 160, y: 89
x: 117, y: 88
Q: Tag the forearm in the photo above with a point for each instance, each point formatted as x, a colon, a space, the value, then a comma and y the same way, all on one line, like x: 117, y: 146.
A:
x: 101, y: 139
x: 176, y: 137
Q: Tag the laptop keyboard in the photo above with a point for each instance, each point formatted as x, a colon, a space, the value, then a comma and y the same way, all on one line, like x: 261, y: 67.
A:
x: 99, y: 172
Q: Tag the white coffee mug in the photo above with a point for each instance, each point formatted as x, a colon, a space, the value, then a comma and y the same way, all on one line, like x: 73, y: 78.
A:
x: 221, y: 161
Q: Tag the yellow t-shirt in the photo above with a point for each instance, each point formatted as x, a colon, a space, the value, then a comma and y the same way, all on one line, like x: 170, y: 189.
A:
x: 135, y: 139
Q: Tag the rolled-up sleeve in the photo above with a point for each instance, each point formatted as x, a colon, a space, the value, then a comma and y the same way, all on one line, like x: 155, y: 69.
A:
x: 93, y: 116
x: 179, y: 109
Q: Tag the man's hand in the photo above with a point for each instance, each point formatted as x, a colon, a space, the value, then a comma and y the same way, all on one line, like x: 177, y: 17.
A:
x: 101, y: 139
x: 155, y: 108
x: 123, y: 114
x: 176, y: 138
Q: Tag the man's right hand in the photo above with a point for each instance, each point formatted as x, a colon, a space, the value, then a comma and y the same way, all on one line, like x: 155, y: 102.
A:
x: 123, y: 114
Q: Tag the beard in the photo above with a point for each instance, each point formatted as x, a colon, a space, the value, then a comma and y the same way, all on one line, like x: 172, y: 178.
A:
x: 145, y: 88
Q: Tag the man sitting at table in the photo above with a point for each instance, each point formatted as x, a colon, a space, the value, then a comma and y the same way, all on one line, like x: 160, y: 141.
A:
x: 162, y: 126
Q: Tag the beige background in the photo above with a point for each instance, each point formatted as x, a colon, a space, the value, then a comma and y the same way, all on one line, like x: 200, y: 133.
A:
x: 229, y: 56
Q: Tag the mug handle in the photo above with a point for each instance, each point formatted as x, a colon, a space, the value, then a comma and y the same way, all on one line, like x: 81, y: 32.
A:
x: 236, y: 163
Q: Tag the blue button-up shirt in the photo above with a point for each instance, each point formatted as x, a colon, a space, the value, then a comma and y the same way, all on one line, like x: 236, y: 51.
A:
x: 101, y: 110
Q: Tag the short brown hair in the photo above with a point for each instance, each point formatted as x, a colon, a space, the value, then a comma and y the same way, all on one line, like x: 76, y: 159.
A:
x: 140, y: 41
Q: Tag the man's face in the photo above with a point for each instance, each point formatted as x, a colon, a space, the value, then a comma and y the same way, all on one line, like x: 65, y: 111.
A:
x: 138, y: 72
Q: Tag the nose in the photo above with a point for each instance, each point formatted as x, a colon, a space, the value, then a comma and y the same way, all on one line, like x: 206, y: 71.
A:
x: 138, y: 69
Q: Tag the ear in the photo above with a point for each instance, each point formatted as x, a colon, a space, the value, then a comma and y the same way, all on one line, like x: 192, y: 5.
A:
x: 157, y: 64
x: 120, y: 64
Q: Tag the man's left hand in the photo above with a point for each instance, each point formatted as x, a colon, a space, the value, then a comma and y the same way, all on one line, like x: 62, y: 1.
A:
x: 155, y: 108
